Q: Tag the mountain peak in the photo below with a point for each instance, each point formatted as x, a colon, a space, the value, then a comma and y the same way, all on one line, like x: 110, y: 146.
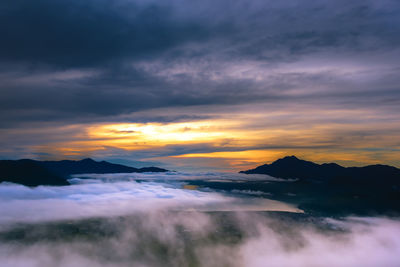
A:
x: 292, y: 157
x: 290, y: 160
x: 87, y: 160
x: 291, y: 167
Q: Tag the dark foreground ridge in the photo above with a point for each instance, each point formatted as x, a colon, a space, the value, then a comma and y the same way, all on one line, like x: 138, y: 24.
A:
x: 33, y: 173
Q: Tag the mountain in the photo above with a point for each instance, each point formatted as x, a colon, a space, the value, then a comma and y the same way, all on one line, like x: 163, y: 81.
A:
x: 68, y: 167
x: 33, y: 173
x: 329, y: 188
x: 29, y: 172
x: 293, y: 168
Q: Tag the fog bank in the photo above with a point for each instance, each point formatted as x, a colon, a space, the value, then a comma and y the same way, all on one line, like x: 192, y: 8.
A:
x: 138, y: 220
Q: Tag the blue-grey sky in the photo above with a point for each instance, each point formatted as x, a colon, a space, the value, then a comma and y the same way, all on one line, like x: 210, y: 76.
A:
x: 200, y: 84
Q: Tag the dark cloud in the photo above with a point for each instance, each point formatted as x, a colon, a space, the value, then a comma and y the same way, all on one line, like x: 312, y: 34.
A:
x: 75, y: 33
x: 69, y: 62
x: 91, y: 33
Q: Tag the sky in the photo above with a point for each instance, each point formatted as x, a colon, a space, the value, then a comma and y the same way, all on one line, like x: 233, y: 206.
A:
x: 200, y: 85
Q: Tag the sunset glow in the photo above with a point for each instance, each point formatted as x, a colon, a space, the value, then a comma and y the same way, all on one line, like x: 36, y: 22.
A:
x: 155, y: 133
x: 205, y: 93
x: 235, y: 142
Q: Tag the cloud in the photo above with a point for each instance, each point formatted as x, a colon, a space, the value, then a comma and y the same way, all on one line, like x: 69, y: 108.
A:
x: 367, y: 241
x: 74, y: 33
x: 151, y: 220
x: 68, y: 60
x: 119, y: 194
x: 73, y: 64
x: 71, y: 33
x: 233, y: 239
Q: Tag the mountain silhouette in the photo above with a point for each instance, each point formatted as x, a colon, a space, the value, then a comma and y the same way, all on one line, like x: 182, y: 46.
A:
x: 33, y: 173
x: 329, y: 188
x: 29, y: 172
x: 291, y: 167
x: 68, y: 167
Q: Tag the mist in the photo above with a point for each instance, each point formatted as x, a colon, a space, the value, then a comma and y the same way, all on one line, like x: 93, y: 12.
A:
x: 120, y: 194
x: 201, y: 239
x: 153, y: 220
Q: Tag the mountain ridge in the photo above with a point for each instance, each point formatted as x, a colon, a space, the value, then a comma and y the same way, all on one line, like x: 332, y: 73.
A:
x: 88, y: 165
x: 291, y: 167
x: 34, y: 173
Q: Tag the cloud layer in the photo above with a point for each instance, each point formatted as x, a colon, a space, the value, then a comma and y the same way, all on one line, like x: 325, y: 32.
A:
x: 120, y: 194
x: 152, y: 220
x: 199, y: 239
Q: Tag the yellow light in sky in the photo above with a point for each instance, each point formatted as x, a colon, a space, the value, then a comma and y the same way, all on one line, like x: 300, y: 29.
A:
x: 235, y: 141
x: 131, y: 135
x: 250, y: 155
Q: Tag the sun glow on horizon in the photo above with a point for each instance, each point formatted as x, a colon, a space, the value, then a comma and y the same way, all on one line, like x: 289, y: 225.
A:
x: 162, y: 132
x: 231, y: 141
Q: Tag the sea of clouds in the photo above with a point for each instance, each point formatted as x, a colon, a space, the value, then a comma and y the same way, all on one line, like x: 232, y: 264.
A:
x: 120, y: 194
x: 152, y: 220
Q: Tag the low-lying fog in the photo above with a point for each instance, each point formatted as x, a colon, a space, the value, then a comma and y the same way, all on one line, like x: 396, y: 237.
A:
x: 155, y: 220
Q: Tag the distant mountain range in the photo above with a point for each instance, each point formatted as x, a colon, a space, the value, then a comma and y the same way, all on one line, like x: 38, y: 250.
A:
x: 293, y: 168
x: 33, y: 173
